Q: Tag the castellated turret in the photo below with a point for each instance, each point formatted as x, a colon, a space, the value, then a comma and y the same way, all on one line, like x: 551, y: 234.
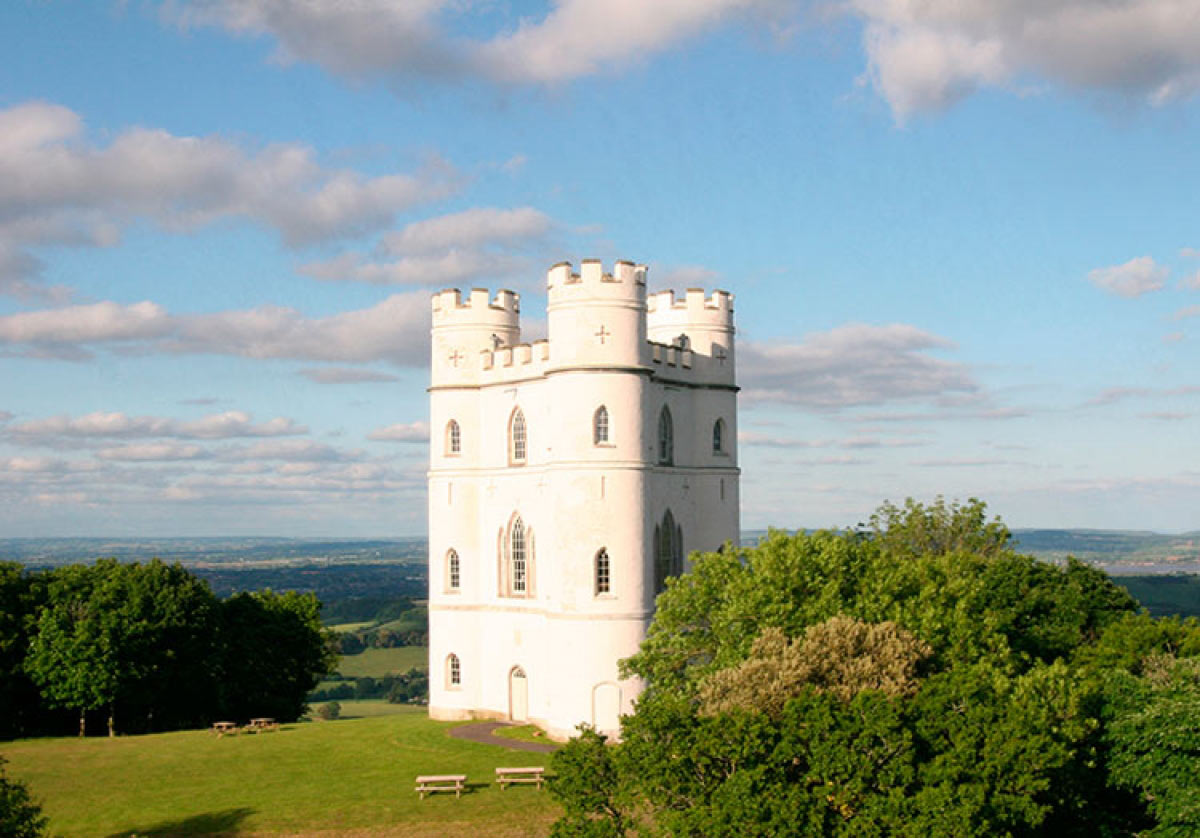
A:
x: 569, y: 478
x: 597, y: 319
x: 464, y: 328
x: 699, y: 323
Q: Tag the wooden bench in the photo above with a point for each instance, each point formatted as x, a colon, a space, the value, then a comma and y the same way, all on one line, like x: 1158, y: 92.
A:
x: 527, y: 774
x: 441, y: 782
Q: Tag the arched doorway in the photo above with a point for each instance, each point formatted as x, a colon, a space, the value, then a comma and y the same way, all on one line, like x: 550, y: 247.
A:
x: 518, y: 695
x: 606, y: 707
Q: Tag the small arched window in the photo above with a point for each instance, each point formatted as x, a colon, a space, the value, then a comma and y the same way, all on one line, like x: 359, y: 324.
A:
x: 719, y: 436
x: 666, y: 438
x: 603, y: 572
x: 668, y: 551
x: 516, y: 437
x: 600, y: 426
x: 453, y: 671
x: 452, y: 570
x: 453, y: 438
x: 519, y: 558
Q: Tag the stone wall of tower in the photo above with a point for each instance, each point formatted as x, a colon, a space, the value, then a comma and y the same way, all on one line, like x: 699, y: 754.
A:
x: 575, y: 496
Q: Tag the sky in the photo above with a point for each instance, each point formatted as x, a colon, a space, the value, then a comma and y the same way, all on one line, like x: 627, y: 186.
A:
x: 963, y: 238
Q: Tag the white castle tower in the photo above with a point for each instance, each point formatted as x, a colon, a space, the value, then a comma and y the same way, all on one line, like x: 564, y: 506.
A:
x: 568, y: 478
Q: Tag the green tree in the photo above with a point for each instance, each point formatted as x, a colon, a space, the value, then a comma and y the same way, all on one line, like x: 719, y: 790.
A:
x: 71, y: 654
x: 21, y: 597
x: 274, y: 651
x: 916, y: 677
x: 20, y: 816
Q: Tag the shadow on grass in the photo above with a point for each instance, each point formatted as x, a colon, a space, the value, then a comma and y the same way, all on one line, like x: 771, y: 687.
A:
x: 225, y: 823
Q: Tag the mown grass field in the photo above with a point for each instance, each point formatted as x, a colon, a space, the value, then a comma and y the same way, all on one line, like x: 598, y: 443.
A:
x: 376, y: 663
x: 351, y: 778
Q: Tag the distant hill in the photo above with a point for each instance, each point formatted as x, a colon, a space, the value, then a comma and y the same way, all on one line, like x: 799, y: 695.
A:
x: 200, y: 552
x: 1118, y: 551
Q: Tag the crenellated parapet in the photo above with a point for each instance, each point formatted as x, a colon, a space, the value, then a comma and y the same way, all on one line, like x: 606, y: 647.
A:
x: 698, y: 323
x: 695, y: 309
x: 596, y: 320
x: 626, y: 282
x: 478, y: 309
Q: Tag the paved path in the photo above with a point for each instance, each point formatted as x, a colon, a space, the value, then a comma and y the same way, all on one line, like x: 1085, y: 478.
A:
x: 482, y: 733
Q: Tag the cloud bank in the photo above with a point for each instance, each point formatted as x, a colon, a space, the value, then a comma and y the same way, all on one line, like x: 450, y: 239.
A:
x: 921, y: 55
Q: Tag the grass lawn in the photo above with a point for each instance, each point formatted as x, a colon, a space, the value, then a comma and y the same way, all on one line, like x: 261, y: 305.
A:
x: 375, y: 663
x: 351, y: 778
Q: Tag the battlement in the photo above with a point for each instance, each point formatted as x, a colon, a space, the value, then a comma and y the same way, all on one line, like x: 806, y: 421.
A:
x: 695, y: 308
x: 627, y: 281
x: 450, y: 309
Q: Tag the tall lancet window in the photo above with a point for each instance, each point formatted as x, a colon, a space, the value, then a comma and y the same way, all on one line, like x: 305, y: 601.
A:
x: 603, y: 573
x: 666, y: 438
x: 519, y: 558
x: 453, y: 577
x: 600, y: 426
x: 453, y: 438
x: 719, y: 436
x: 668, y: 551
x: 453, y: 671
x: 516, y: 437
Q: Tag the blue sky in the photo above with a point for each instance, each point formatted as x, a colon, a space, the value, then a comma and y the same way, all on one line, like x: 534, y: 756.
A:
x: 964, y: 240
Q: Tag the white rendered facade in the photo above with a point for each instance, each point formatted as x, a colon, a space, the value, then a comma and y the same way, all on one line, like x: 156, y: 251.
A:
x: 560, y: 496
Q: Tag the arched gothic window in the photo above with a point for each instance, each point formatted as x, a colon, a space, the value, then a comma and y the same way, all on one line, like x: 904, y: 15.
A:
x: 600, y: 426
x: 668, y: 551
x: 452, y: 570
x: 603, y: 572
x: 719, y: 436
x: 453, y: 438
x: 666, y: 438
x: 516, y: 437
x: 518, y: 558
x: 453, y: 671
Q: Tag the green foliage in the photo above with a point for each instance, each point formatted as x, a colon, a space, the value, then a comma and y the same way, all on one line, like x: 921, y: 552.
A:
x: 915, y: 677
x: 275, y: 652
x: 21, y: 596
x: 841, y: 655
x: 20, y: 817
x: 587, y: 783
x: 152, y: 648
x: 1156, y: 744
x: 330, y: 710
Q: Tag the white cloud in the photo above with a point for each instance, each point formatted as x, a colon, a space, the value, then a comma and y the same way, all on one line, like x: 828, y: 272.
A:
x: 152, y: 452
x: 921, y: 55
x: 1132, y: 279
x: 1186, y: 312
x: 446, y: 250
x: 927, y: 54
x: 227, y: 425
x: 851, y: 365
x: 1191, y: 282
x: 395, y: 330
x: 583, y: 37
x: 411, y: 432
x: 56, y: 188
x: 290, y: 450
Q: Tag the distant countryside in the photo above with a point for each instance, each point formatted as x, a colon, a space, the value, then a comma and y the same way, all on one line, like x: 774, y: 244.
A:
x: 345, y: 745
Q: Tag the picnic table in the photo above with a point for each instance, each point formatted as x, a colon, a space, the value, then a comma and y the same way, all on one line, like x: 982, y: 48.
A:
x: 524, y: 774
x: 441, y: 782
x: 264, y: 723
x: 221, y: 728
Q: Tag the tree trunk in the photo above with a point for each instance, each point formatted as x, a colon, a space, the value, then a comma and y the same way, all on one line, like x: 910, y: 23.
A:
x: 112, y: 712
x: 83, y: 723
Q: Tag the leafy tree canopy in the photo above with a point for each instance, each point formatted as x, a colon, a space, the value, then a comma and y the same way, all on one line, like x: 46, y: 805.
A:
x: 915, y: 676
